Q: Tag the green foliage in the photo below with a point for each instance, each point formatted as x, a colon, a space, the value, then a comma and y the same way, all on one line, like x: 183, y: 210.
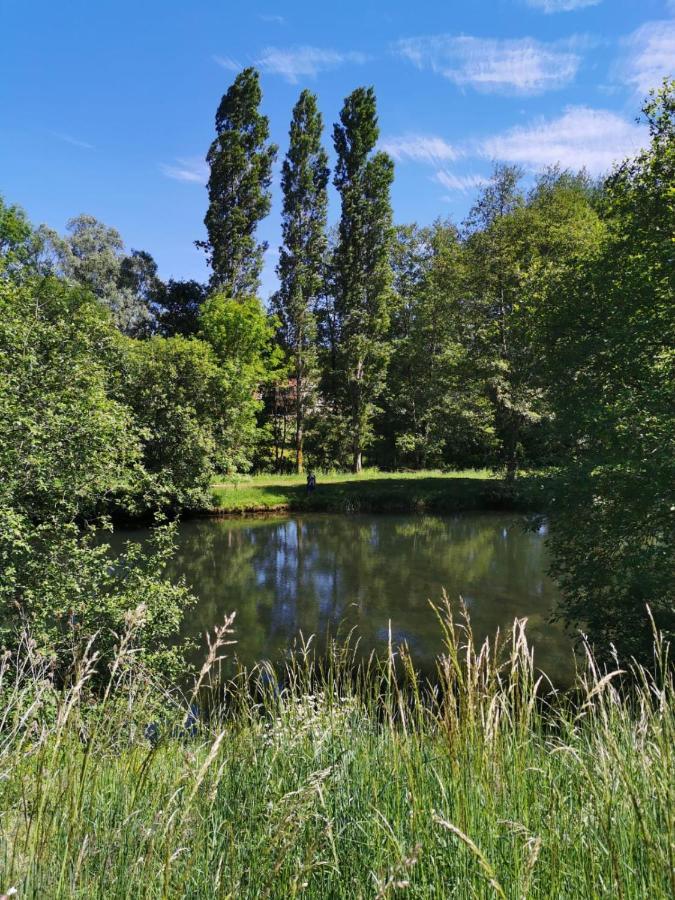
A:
x: 138, y: 276
x: 241, y: 173
x: 19, y: 244
x: 60, y: 585
x: 436, y: 411
x: 242, y: 337
x: 180, y: 400
x: 69, y: 449
x: 304, y: 180
x: 92, y: 255
x: 362, y: 276
x: 177, y: 307
x: 609, y: 338
x: 65, y: 444
x: 514, y: 246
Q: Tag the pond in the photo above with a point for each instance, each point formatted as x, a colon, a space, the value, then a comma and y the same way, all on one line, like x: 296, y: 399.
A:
x: 323, y: 574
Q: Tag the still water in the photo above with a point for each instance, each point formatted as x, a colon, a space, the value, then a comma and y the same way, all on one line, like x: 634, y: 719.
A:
x: 326, y: 574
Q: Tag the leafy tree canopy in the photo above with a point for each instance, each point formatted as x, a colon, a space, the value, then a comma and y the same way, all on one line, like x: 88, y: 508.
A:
x: 240, y: 159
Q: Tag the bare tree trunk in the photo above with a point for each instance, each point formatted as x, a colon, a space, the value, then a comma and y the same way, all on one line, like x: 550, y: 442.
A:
x: 283, y: 440
x: 276, y: 430
x: 299, y: 431
x: 358, y: 465
x: 299, y: 406
x: 511, y: 447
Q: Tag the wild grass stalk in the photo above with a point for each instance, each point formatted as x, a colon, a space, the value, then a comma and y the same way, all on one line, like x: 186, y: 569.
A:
x: 332, y: 779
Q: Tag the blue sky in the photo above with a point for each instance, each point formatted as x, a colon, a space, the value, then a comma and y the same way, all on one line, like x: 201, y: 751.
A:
x: 107, y: 107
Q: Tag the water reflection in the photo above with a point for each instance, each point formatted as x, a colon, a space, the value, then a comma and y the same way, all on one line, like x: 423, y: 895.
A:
x: 321, y: 573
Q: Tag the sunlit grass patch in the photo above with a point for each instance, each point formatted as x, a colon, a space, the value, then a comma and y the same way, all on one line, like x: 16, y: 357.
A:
x: 374, y: 491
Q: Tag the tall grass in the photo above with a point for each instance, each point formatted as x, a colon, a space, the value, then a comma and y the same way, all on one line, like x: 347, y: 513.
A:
x: 331, y: 781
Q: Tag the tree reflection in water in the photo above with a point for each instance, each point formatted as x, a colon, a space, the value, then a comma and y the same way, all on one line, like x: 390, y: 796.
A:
x: 324, y: 574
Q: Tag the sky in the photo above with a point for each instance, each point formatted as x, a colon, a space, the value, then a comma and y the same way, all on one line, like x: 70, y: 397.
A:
x: 107, y: 108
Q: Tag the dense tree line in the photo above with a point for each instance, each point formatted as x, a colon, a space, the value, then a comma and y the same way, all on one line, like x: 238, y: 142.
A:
x: 537, y: 333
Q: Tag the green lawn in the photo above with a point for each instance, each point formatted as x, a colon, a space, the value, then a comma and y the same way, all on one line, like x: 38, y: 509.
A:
x: 375, y: 491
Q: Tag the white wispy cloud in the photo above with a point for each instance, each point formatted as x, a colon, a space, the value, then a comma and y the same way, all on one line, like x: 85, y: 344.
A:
x: 75, y: 142
x: 522, y: 66
x: 193, y: 170
x: 226, y: 62
x: 462, y: 183
x: 649, y: 55
x: 556, y: 6
x: 295, y: 62
x: 582, y: 137
x: 271, y: 18
x: 419, y: 148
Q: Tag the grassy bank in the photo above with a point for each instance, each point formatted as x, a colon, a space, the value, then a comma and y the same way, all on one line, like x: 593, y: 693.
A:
x: 374, y: 491
x: 340, y: 787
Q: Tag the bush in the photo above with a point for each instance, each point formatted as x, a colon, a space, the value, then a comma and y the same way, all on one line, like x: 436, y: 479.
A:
x: 70, y: 450
x: 177, y: 394
x: 61, y: 585
x: 66, y: 446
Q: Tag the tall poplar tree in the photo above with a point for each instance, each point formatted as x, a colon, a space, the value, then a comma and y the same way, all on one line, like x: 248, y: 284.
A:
x: 304, y: 181
x: 241, y: 161
x: 362, y: 269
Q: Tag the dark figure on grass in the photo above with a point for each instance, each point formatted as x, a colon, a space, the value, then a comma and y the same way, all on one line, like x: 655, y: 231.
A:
x: 311, y: 482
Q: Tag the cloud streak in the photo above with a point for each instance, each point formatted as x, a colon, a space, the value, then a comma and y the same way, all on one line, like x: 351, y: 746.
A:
x: 295, y: 63
x: 582, y: 137
x: 193, y: 170
x: 461, y: 183
x: 556, y: 6
x: 649, y: 56
x: 74, y: 142
x: 523, y: 66
x: 419, y: 148
x: 226, y: 62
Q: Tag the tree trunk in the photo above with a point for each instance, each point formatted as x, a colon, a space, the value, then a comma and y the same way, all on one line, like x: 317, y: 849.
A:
x: 357, y: 414
x: 511, y: 448
x: 276, y: 429
x: 299, y: 431
x: 283, y: 441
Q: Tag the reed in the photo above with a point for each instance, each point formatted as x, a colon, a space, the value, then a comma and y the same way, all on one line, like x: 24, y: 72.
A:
x: 331, y: 779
